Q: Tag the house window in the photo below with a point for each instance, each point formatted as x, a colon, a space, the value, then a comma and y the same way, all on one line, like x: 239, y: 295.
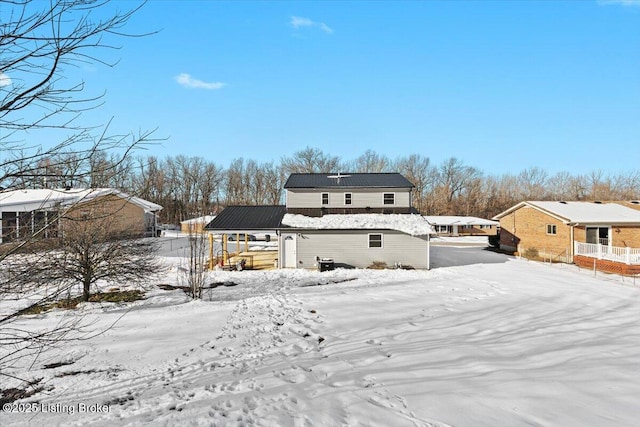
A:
x: 347, y: 198
x: 375, y: 240
x: 325, y: 199
x: 443, y: 228
x: 389, y: 198
x: 551, y: 229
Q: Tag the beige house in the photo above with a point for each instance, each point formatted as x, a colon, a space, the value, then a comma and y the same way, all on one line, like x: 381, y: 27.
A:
x: 48, y: 212
x: 606, y: 235
x: 195, y: 225
x: 447, y: 225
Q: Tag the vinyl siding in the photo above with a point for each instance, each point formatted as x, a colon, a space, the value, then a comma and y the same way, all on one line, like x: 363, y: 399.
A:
x: 351, y: 247
x: 360, y: 198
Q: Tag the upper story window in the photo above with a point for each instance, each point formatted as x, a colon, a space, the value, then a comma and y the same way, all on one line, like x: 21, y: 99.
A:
x: 347, y: 198
x: 325, y: 199
x: 551, y: 229
x: 389, y: 199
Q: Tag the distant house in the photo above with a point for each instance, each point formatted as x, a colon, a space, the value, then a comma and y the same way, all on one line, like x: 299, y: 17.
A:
x: 195, y: 225
x: 586, y: 233
x: 353, y: 219
x: 24, y: 212
x: 463, y: 226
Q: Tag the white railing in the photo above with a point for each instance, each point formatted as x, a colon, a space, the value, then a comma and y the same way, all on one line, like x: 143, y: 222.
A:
x: 611, y: 253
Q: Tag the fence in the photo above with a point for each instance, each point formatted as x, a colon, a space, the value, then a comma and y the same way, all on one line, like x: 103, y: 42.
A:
x: 629, y: 256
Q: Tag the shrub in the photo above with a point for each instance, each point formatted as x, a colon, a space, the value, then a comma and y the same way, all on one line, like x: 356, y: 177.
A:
x: 378, y: 265
x: 531, y: 253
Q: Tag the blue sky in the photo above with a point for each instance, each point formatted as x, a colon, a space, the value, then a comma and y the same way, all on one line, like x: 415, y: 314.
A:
x: 501, y: 85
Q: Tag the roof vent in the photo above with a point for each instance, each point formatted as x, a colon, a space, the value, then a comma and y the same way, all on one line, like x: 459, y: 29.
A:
x: 337, y: 177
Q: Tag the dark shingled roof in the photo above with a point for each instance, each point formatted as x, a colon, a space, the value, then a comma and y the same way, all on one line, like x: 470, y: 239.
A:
x: 248, y: 218
x: 347, y: 180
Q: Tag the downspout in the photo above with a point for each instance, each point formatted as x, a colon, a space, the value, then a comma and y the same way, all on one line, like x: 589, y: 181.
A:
x: 279, y: 235
x: 428, y: 251
x: 572, y: 250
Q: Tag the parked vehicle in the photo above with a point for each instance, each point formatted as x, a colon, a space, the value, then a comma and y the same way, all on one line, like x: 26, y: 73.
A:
x: 168, y: 227
x: 232, y: 237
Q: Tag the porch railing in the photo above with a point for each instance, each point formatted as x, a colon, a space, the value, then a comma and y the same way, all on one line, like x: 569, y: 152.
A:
x: 630, y: 256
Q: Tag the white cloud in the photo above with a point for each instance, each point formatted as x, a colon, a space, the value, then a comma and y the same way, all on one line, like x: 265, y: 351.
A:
x: 5, y: 80
x: 300, y: 22
x: 621, y: 2
x: 186, y: 80
x: 297, y: 22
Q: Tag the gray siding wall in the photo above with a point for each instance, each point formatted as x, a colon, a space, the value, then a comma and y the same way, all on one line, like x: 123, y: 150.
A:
x: 352, y: 248
x: 360, y: 198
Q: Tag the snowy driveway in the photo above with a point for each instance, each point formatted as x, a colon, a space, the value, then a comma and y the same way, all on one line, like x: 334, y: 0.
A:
x: 455, y: 256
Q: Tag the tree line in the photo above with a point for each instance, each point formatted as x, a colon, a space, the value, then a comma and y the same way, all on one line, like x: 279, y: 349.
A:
x: 188, y: 187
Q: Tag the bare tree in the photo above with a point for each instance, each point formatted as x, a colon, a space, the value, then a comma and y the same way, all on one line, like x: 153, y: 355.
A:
x: 532, y: 183
x: 95, y: 244
x: 370, y: 161
x: 236, y: 183
x: 274, y: 178
x: 418, y: 170
x: 193, y: 275
x: 40, y: 44
x: 311, y: 160
x: 453, y: 178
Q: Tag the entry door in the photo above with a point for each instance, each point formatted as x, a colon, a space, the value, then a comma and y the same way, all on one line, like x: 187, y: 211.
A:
x: 289, y: 250
x: 598, y: 235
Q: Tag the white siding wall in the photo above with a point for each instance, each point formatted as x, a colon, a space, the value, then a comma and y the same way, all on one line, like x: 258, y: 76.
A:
x: 361, y: 198
x: 352, y: 248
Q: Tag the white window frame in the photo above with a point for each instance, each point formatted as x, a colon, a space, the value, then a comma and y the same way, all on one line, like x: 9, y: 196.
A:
x: 384, y: 196
x: 552, y: 230
x: 369, y: 240
x: 322, y: 199
x: 350, y: 197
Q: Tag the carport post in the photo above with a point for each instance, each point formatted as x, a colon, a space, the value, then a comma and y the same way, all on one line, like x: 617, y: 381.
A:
x: 428, y: 252
x: 210, y: 251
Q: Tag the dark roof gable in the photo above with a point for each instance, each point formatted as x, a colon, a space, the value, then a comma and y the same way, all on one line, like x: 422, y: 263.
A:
x: 248, y: 218
x: 347, y: 180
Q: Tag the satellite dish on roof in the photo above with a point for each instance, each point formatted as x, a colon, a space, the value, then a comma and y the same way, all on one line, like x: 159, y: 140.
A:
x: 338, y: 176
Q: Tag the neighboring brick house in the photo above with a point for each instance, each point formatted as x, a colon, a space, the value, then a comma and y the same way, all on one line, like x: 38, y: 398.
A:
x: 568, y: 231
x: 25, y: 212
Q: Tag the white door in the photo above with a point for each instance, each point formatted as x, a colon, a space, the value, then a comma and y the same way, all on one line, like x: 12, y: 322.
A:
x: 289, y: 250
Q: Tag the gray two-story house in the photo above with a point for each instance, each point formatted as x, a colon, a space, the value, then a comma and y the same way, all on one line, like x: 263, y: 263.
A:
x: 319, y: 194
x: 356, y: 220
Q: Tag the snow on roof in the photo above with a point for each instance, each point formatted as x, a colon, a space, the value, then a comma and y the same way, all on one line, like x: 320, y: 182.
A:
x: 414, y: 225
x: 34, y: 199
x: 199, y: 220
x: 458, y: 220
x: 584, y: 212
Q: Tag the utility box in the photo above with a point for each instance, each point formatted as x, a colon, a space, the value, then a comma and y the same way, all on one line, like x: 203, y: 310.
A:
x: 326, y: 264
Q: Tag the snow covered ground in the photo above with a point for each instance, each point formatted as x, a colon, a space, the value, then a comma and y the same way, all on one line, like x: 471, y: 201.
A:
x: 494, y: 342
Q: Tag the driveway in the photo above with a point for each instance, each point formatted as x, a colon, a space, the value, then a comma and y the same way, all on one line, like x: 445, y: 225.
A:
x: 452, y: 256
